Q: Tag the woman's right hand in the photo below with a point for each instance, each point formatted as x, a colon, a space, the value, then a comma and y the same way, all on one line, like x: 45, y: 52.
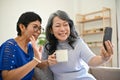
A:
x: 37, y: 50
x: 52, y: 60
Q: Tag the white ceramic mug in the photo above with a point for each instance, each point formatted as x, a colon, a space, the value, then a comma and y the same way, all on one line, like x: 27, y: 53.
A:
x: 62, y: 55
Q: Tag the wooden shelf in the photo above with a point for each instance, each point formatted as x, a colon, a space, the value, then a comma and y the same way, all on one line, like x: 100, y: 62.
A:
x: 95, y: 12
x: 94, y: 19
x: 93, y: 31
x: 94, y: 44
x: 92, y: 25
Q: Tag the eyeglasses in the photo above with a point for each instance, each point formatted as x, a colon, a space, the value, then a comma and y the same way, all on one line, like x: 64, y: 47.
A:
x: 36, y: 29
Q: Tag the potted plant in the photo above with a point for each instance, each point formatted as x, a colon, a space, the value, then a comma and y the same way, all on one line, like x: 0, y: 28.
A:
x: 42, y: 39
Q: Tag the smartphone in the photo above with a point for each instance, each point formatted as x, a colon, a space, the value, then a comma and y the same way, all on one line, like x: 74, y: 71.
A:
x: 107, y: 35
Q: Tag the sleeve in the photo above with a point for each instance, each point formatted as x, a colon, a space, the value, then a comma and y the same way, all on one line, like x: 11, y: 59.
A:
x: 86, y: 53
x: 46, y: 73
x: 44, y: 54
x: 7, y: 56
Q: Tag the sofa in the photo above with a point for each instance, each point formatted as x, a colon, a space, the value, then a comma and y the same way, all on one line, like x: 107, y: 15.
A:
x: 105, y: 73
x: 100, y: 73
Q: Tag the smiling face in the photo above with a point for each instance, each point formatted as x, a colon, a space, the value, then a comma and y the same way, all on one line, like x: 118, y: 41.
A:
x: 60, y: 29
x: 33, y: 29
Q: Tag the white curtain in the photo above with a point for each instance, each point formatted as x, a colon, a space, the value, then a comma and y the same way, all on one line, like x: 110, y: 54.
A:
x: 118, y: 28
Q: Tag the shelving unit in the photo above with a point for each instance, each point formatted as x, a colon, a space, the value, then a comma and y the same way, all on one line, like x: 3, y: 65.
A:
x: 92, y: 27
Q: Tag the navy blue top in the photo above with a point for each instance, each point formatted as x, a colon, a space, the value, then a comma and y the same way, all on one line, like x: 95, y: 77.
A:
x: 12, y: 57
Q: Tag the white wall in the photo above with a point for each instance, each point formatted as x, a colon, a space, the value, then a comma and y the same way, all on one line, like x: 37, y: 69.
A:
x: 86, y: 6
x: 10, y: 10
x: 118, y: 24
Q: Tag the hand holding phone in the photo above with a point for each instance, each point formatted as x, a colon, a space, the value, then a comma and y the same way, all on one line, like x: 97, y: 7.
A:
x: 107, y: 35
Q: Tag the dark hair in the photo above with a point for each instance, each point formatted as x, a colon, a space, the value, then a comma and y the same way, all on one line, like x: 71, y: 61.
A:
x: 27, y: 18
x: 52, y: 41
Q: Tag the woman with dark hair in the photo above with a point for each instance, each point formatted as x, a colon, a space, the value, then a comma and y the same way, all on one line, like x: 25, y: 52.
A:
x: 19, y: 57
x: 61, y: 34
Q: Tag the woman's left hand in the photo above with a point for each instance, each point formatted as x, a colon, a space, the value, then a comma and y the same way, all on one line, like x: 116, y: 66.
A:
x: 52, y: 59
x: 108, y: 52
